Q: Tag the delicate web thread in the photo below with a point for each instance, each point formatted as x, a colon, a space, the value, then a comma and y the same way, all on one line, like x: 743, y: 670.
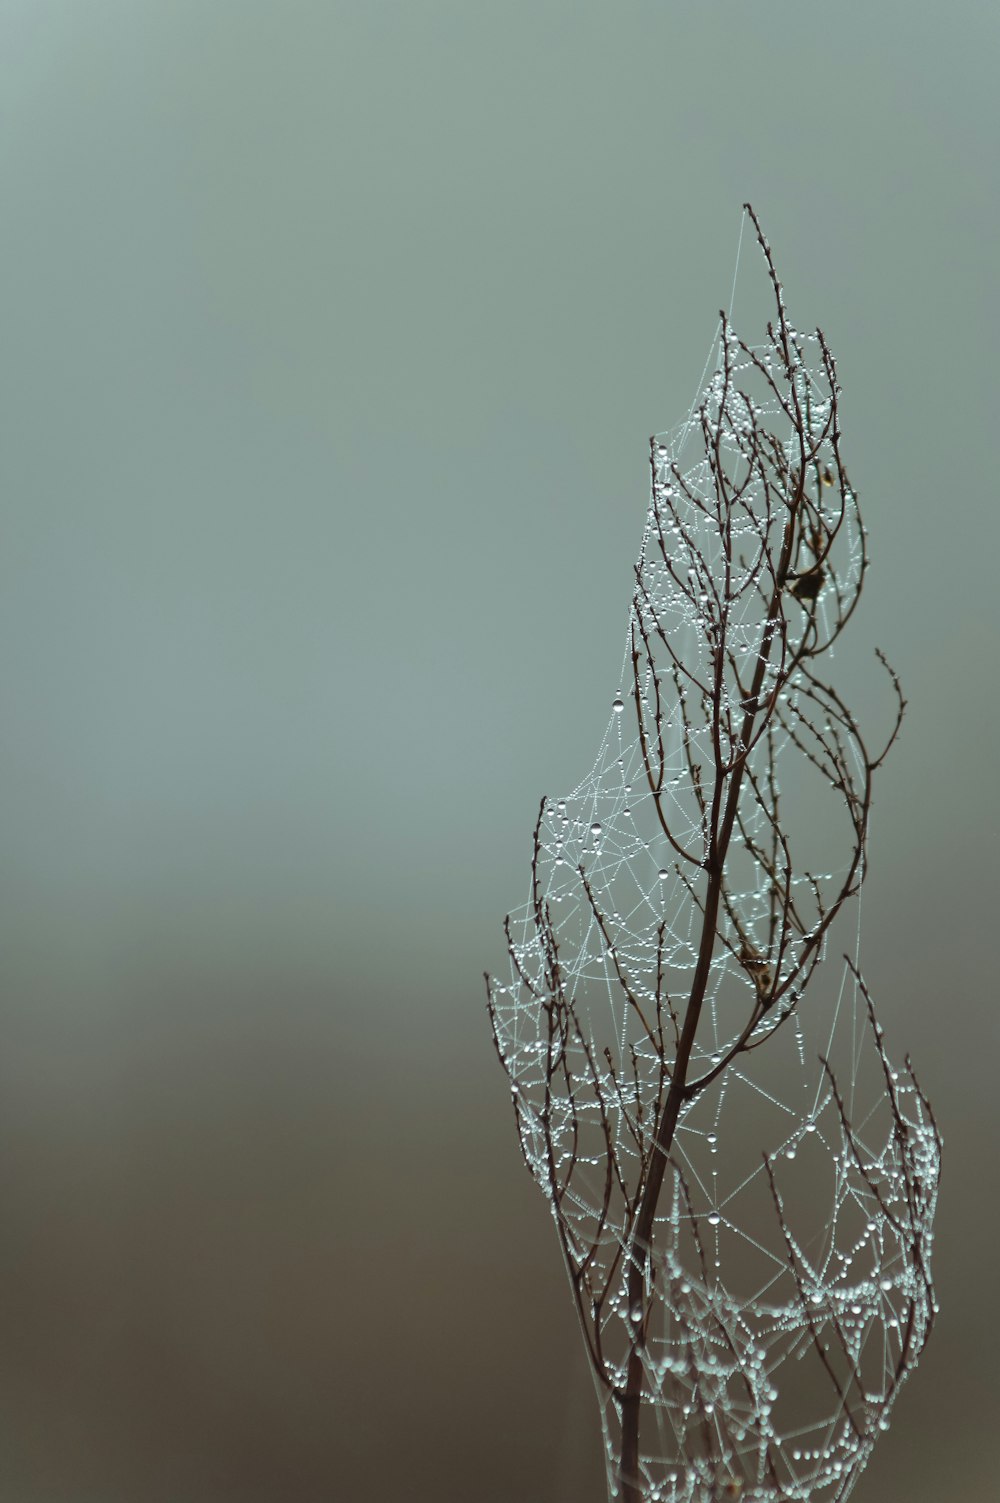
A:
x: 790, y: 1275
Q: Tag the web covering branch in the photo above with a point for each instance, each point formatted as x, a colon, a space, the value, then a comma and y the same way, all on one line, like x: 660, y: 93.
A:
x: 747, y: 1231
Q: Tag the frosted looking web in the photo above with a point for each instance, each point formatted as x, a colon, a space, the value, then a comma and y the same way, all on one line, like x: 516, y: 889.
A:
x: 743, y: 1185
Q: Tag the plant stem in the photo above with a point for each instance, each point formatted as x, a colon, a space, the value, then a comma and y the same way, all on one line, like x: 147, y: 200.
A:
x: 715, y: 864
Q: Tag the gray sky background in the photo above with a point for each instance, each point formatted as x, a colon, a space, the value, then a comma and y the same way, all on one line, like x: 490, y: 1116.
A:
x: 332, y: 337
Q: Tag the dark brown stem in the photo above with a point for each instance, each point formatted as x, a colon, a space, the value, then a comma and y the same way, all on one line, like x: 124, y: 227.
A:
x: 642, y: 1236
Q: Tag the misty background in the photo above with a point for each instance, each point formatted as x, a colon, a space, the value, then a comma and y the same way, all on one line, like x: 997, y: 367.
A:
x: 331, y: 339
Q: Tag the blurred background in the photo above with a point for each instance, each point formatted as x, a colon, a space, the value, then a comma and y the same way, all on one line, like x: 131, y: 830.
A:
x: 331, y: 338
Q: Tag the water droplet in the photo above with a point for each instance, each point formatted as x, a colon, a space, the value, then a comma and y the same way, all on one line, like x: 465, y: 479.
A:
x: 618, y: 706
x: 663, y: 875
x: 595, y: 829
x: 714, y: 1219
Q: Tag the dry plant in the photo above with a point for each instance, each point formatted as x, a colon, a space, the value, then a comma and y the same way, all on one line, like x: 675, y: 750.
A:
x: 746, y: 1229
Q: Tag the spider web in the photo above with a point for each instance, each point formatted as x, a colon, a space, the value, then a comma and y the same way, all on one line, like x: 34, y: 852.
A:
x: 787, y: 1292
